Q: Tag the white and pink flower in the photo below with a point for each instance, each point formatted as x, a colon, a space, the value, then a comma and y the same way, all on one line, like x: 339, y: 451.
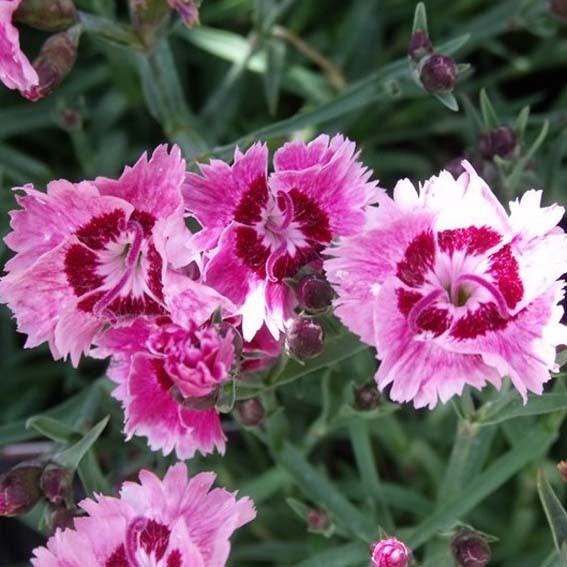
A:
x: 169, y: 369
x: 452, y: 290
x: 177, y: 522
x: 260, y: 230
x: 95, y: 253
x: 16, y: 71
x: 390, y: 552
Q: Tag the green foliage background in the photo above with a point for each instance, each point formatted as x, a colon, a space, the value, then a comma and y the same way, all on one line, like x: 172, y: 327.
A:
x: 249, y: 73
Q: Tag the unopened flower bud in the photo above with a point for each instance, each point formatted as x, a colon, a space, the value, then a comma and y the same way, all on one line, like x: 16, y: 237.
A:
x: 251, y: 412
x: 305, y: 338
x: 148, y: 16
x: 47, y: 15
x: 559, y: 9
x: 56, y: 484
x: 438, y: 74
x: 318, y: 520
x: 470, y: 549
x: 62, y: 518
x: 366, y: 397
x: 390, y: 552
x: 19, y: 489
x: 188, y: 10
x: 70, y: 119
x: 499, y: 142
x: 562, y: 468
x: 420, y: 45
x: 54, y: 62
x: 314, y: 293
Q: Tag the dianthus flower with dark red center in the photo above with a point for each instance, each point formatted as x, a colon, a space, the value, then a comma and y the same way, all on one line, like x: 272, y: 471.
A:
x: 177, y: 522
x: 94, y: 254
x: 259, y: 230
x: 169, y: 370
x: 452, y: 290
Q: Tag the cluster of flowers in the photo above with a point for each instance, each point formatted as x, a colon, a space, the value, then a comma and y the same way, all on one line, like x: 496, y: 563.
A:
x: 449, y: 289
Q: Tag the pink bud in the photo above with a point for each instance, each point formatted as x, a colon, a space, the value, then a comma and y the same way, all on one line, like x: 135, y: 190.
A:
x: 305, y: 338
x: 419, y: 46
x: 19, y: 489
x: 188, y: 10
x: 390, y: 552
x: 251, y: 412
x: 56, y: 484
x: 314, y: 293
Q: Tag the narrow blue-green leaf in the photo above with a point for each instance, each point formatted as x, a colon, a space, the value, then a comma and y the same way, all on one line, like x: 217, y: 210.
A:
x: 554, y: 511
x: 489, y: 117
x: 420, y: 19
x: 321, y: 491
x: 52, y: 428
x: 535, y: 444
x: 275, y: 53
x: 71, y: 457
x: 536, y: 405
x: 448, y: 100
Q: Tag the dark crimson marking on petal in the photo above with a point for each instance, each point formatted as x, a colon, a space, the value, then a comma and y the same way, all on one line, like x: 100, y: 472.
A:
x: 313, y: 221
x: 154, y: 538
x: 504, y: 269
x: 250, y: 250
x: 102, y: 229
x: 287, y: 266
x: 146, y: 221
x: 434, y: 319
x: 80, y: 269
x: 131, y: 306
x: 479, y: 322
x: 154, y: 271
x: 249, y: 210
x: 406, y: 300
x: 474, y: 240
x: 418, y: 260
x: 174, y: 559
x: 87, y: 304
x: 163, y: 378
x: 118, y: 558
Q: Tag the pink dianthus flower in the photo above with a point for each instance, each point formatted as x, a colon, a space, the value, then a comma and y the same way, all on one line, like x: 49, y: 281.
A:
x: 169, y: 370
x: 16, y: 71
x: 93, y: 254
x: 171, y: 523
x: 452, y: 290
x: 258, y: 231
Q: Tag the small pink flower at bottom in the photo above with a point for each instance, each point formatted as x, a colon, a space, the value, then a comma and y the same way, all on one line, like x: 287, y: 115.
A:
x: 16, y: 71
x: 452, y: 290
x: 390, y: 552
x: 170, y: 368
x: 177, y: 522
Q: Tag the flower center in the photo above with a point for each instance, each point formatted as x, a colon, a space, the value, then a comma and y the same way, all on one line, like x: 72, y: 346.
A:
x: 277, y: 235
x: 114, y: 267
x: 461, y: 281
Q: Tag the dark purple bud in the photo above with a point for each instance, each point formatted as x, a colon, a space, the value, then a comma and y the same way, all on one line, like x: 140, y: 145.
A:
x: 366, y: 397
x: 62, y: 518
x: 19, y: 489
x: 438, y: 74
x: 470, y: 549
x: 251, y: 412
x: 56, y: 484
x: 559, y: 9
x: 562, y: 468
x: 499, y: 142
x: 54, y: 62
x: 70, y: 119
x: 314, y: 293
x: 420, y: 45
x: 47, y: 15
x: 455, y: 167
x: 318, y: 520
x: 305, y: 338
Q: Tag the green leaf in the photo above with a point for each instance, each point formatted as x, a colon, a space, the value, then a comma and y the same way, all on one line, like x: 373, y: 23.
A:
x: 348, y: 555
x: 420, y: 19
x: 554, y: 511
x: 448, y: 100
x: 275, y: 54
x: 536, y: 405
x: 533, y: 446
x: 71, y: 457
x: 321, y: 491
x: 52, y: 428
x: 522, y: 122
x: 489, y: 116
